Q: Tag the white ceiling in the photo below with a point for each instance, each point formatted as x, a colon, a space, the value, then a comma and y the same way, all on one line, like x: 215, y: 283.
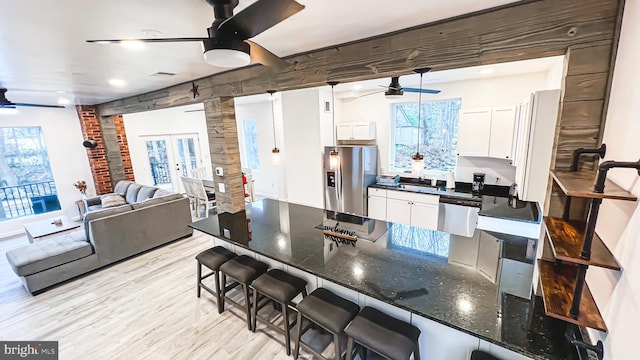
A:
x: 43, y: 50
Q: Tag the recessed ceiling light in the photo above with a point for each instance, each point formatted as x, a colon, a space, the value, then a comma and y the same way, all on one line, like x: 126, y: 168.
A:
x: 486, y: 71
x: 61, y: 92
x: 357, y: 86
x: 132, y: 44
x: 117, y: 82
x: 63, y: 101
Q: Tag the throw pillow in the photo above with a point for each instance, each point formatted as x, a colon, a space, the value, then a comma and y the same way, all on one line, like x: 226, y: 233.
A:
x: 112, y: 200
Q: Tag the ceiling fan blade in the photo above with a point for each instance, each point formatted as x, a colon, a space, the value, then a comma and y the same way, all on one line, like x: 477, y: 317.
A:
x: 424, y: 91
x: 118, y: 41
x: 371, y: 93
x: 266, y: 57
x: 196, y: 110
x: 259, y: 16
x: 39, y: 105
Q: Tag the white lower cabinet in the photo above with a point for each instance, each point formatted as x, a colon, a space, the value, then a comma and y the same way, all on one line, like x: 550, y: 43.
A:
x: 413, y: 209
x: 440, y: 342
x: 399, y: 211
x: 424, y: 215
x: 377, y: 207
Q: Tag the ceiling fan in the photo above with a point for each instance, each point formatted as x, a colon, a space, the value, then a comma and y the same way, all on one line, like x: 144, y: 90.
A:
x: 6, y: 104
x: 227, y: 43
x: 395, y: 91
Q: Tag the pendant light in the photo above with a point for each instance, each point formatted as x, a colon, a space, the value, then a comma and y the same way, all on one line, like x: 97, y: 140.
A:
x: 334, y: 156
x: 275, y: 152
x: 417, y: 160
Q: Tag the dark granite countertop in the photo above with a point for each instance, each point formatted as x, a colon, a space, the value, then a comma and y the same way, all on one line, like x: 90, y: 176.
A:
x: 493, y: 202
x: 402, y: 265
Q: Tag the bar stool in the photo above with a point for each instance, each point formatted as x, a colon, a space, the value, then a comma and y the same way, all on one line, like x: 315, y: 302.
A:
x: 386, y: 335
x: 212, y: 259
x: 327, y: 310
x: 279, y: 287
x: 242, y: 270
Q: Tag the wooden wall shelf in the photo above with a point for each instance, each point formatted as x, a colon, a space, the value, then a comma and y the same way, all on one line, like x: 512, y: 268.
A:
x: 580, y: 184
x: 567, y: 238
x: 558, y: 285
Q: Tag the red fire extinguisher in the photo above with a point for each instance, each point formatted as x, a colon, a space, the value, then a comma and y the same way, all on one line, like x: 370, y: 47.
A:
x: 245, y: 185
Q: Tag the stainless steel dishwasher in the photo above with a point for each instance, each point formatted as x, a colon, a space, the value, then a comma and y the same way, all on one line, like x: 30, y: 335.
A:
x: 458, y: 217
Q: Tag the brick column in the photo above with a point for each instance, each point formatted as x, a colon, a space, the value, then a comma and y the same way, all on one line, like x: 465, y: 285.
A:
x: 110, y: 161
x: 118, y: 121
x: 90, y: 125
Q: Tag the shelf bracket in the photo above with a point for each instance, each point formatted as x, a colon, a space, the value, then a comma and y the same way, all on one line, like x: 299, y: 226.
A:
x: 601, y: 151
x: 571, y: 337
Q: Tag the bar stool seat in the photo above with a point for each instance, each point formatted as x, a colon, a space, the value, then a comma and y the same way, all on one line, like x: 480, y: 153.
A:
x: 243, y: 270
x: 386, y: 335
x: 213, y: 258
x: 280, y: 287
x: 328, y: 310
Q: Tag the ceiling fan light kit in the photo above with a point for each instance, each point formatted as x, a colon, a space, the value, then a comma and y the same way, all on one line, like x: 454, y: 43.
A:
x: 227, y: 44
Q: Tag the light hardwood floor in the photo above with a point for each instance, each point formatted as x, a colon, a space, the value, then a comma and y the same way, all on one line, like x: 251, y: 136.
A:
x: 142, y: 308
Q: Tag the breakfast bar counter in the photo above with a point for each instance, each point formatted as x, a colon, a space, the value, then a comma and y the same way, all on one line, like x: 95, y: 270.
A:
x: 409, y: 268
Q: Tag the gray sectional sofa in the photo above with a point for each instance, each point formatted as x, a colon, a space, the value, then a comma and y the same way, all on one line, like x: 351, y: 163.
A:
x: 151, y: 217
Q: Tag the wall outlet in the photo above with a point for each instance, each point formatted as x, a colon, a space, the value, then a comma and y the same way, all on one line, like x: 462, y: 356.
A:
x: 221, y: 187
x: 219, y: 171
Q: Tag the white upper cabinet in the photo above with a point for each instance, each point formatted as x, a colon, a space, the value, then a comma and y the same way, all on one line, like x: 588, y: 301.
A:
x: 474, y: 128
x: 488, y: 132
x: 503, y: 125
x: 356, y: 131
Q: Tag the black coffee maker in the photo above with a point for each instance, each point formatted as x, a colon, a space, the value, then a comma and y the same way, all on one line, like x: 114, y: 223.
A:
x: 478, y: 183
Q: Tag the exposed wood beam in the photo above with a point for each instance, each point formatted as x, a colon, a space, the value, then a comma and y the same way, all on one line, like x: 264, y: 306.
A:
x: 518, y: 31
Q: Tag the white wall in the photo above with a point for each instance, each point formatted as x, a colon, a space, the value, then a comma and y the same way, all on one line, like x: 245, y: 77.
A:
x: 69, y: 161
x: 302, y: 139
x: 495, y: 91
x: 163, y: 122
x: 618, y: 293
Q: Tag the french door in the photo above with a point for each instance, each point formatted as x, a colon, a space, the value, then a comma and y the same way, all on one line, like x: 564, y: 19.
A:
x: 172, y: 156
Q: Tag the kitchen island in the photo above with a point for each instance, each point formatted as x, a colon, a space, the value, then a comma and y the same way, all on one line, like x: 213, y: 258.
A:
x: 405, y: 268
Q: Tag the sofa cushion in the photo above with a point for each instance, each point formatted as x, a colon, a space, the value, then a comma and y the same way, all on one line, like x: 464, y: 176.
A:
x: 145, y: 193
x: 49, y: 253
x: 112, y: 200
x: 157, y: 200
x: 121, y: 187
x: 132, y: 193
x: 103, y: 213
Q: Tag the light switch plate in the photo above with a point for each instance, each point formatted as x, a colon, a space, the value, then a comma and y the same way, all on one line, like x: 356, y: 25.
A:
x: 221, y: 187
x: 219, y: 171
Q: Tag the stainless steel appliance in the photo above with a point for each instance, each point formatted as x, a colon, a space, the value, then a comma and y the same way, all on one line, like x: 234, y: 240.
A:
x: 346, y: 178
x: 458, y: 217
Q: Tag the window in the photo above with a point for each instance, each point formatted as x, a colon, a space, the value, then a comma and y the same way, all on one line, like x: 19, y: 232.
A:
x: 251, y: 144
x: 26, y: 179
x: 438, y: 134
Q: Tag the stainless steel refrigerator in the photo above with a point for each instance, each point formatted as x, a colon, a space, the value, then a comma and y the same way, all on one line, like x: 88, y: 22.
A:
x: 346, y: 182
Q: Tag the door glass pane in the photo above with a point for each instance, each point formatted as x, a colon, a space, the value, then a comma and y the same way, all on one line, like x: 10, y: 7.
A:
x: 187, y: 154
x: 159, y: 162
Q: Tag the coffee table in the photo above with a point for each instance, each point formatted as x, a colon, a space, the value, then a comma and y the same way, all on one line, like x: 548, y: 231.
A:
x: 42, y: 229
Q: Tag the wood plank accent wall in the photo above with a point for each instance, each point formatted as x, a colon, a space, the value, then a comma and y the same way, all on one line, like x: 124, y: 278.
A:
x: 585, y: 30
x: 225, y: 152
